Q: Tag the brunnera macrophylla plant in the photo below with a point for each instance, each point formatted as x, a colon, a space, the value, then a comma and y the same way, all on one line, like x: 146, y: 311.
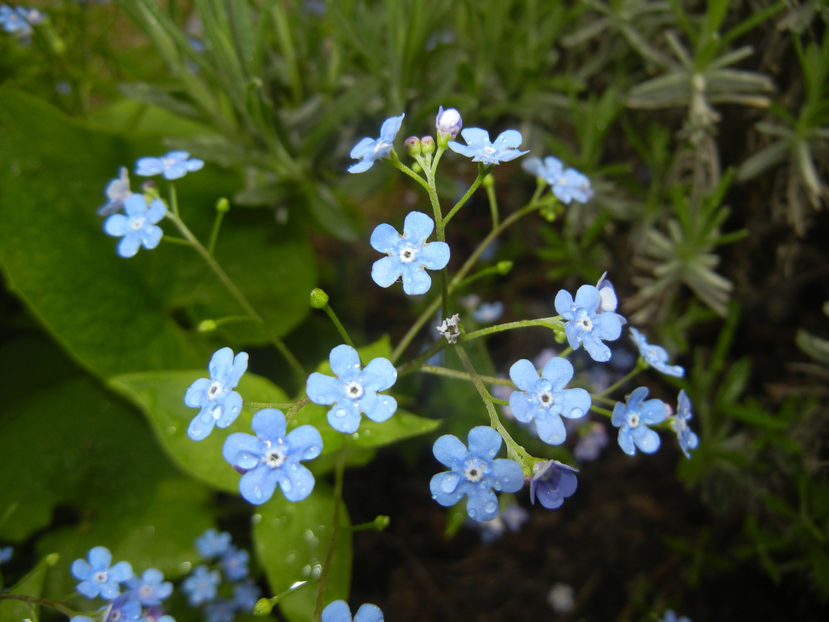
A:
x: 274, y: 451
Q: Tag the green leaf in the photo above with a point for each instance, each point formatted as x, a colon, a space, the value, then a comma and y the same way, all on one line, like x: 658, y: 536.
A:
x: 30, y: 585
x: 292, y: 541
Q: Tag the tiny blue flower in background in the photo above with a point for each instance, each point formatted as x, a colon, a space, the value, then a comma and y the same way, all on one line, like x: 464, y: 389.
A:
x: 235, y: 563
x: 201, y: 585
x: 686, y: 437
x: 338, y: 611
x: 474, y: 472
x: 6, y: 554
x: 174, y: 165
x: 670, y: 616
x: 117, y: 191
x: 567, y: 184
x: 544, y: 400
x: 633, y: 419
x: 655, y: 356
x: 552, y: 483
x: 480, y: 149
x: 273, y: 457
x: 219, y: 405
x: 220, y: 610
x: 156, y: 614
x: 245, y: 595
x: 213, y: 543
x: 369, y: 149
x: 19, y: 21
x: 137, y: 227
x: 448, y: 122
x: 586, y: 324
x: 590, y: 445
x: 488, y: 312
x: 96, y: 576
x: 354, y: 390
x: 409, y: 255
x: 122, y: 608
x: 150, y: 588
x: 511, y: 518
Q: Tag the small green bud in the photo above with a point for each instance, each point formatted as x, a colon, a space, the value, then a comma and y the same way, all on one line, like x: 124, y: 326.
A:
x: 427, y: 145
x: 222, y: 205
x: 416, y: 167
x: 262, y: 607
x: 413, y: 145
x: 318, y: 298
x: 504, y: 267
x: 381, y: 522
x: 207, y: 326
x: 488, y: 181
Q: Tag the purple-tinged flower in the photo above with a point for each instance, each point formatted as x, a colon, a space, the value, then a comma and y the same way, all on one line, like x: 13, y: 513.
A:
x: 354, y: 390
x: 544, y: 399
x: 480, y: 149
x: 408, y: 255
x: 369, y: 149
x: 138, y: 226
x: 173, y: 165
x: 488, y: 312
x: 655, y: 356
x: 552, y: 483
x: 448, y: 123
x: 586, y: 324
x: 213, y: 543
x: 245, y: 595
x: 201, y: 585
x: 474, y: 472
x: 123, y: 608
x: 218, y: 404
x: 633, y: 420
x: 96, y: 576
x: 338, y: 611
x: 273, y: 457
x: 150, y: 588
x: 117, y: 191
x: 235, y: 563
x: 156, y: 614
x: 686, y: 437
x: 607, y: 294
x: 590, y: 445
x: 567, y: 184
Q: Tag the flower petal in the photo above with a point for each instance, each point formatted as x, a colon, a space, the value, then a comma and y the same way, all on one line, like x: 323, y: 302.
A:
x: 336, y: 611
x: 558, y: 371
x: 242, y: 450
x: 305, y: 442
x: 258, y: 485
x: 117, y: 225
x: 482, y: 504
x: 368, y: 613
x: 220, y: 364
x: 384, y: 238
x: 484, y: 441
x: 524, y: 374
x: 269, y: 424
x: 449, y: 450
x: 385, y: 271
x: 576, y: 403
x: 564, y: 304
x: 646, y: 439
x: 508, y: 139
x: 322, y: 389
x: 201, y: 425
x: 129, y: 245
x: 390, y: 127
x: 416, y: 281
x: 588, y: 297
x: 379, y: 374
x: 475, y: 137
x: 345, y: 362
x: 507, y: 475
x: 231, y: 406
x: 551, y: 429
x: 385, y: 407
x: 297, y: 482
x: 417, y: 227
x: 344, y: 417
x: 434, y: 255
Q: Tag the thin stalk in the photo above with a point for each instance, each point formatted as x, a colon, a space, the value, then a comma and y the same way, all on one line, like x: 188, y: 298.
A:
x: 499, y: 328
x: 493, y: 204
x: 454, y: 373
x: 40, y: 601
x: 396, y: 163
x: 339, y: 325
x: 630, y: 375
x: 440, y: 233
x: 214, y: 233
x: 601, y: 411
x: 335, y: 527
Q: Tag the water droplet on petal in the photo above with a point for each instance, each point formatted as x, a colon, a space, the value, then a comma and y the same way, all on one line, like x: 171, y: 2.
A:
x: 355, y: 436
x: 472, y: 513
x: 256, y: 519
x: 310, y: 452
x: 576, y: 412
x: 449, y: 482
x: 490, y: 507
x: 286, y: 484
x: 340, y: 412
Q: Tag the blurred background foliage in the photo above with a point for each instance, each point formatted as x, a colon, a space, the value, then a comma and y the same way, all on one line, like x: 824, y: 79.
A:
x: 703, y: 127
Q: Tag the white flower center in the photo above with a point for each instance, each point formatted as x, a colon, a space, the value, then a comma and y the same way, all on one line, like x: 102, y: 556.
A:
x: 585, y: 323
x: 633, y: 420
x: 137, y: 224
x: 407, y: 254
x: 354, y: 390
x: 215, y: 389
x: 474, y: 469
x: 546, y: 398
x: 100, y: 576
x: 145, y: 592
x: 275, y: 455
x: 489, y: 150
x: 380, y: 145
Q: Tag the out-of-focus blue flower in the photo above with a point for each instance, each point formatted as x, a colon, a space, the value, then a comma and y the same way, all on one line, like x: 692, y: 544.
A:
x: 338, y: 611
x: 273, y: 457
x: 590, y: 445
x: 655, y: 356
x: 156, y: 614
x: 201, y: 585
x: 96, y: 577
x: 511, y: 518
x: 213, y: 543
x: 474, y: 472
x: 480, y: 149
x: 174, y: 165
x: 6, y: 554
x: 488, y: 312
x: 633, y: 420
x: 369, y: 149
x: 670, y: 616
x: 221, y: 610
x: 552, y: 483
x: 151, y: 588
x: 409, y: 255
x: 124, y: 607
x: 117, y: 191
x: 19, y: 21
x: 219, y: 405
x: 354, y: 390
x: 585, y: 324
x: 245, y: 595
x: 567, y: 184
x: 544, y: 399
x: 448, y: 122
x: 686, y: 437
x: 137, y: 227
x: 235, y: 562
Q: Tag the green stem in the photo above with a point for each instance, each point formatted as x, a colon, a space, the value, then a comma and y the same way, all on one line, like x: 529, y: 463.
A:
x: 214, y: 233
x: 493, y: 203
x: 601, y: 411
x: 40, y: 601
x: 260, y: 405
x: 454, y: 373
x: 482, y: 172
x: 335, y: 527
x: 396, y: 163
x: 499, y: 328
x: 440, y: 232
x: 632, y: 373
x: 339, y: 325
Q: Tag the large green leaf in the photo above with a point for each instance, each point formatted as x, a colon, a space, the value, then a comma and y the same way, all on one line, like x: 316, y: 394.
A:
x: 292, y: 541
x: 30, y: 585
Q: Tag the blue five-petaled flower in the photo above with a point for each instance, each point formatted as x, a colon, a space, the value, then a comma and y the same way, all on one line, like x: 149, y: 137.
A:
x: 338, y: 611
x: 138, y: 226
x: 551, y: 483
x: 655, y: 356
x: 201, y: 585
x: 544, y: 400
x: 219, y: 405
x: 480, y: 149
x: 96, y: 576
x: 408, y: 255
x: 272, y: 457
x: 150, y: 588
x: 586, y: 324
x: 686, y: 437
x: 173, y: 165
x: 354, y: 390
x: 370, y: 149
x: 567, y: 184
x: 474, y: 472
x: 633, y: 420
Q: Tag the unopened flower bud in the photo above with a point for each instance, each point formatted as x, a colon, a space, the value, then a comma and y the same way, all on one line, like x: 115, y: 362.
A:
x: 222, y: 205
x: 262, y: 607
x: 413, y: 145
x: 207, y: 326
x: 427, y: 145
x: 318, y: 298
x: 504, y: 266
x: 448, y: 122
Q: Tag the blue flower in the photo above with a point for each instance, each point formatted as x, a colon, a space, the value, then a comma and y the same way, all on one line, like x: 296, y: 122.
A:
x: 655, y: 356
x: 544, y: 400
x: 409, y: 255
x: 201, y: 585
x: 478, y: 147
x: 96, y: 576
x: 552, y: 483
x: 567, y: 184
x: 235, y: 562
x: 354, y: 390
x: 686, y: 437
x: 174, y: 165
x: 633, y: 420
x: 221, y: 610
x: 218, y: 403
x: 212, y: 543
x: 338, y: 611
x: 511, y: 518
x: 590, y: 445
x: 6, y: 554
x: 273, y: 457
x: 586, y: 324
x: 137, y: 227
x: 19, y: 21
x: 245, y: 595
x: 488, y: 312
x: 474, y: 473
x: 670, y: 616
x: 122, y: 608
x: 156, y: 614
x: 117, y: 191
x: 368, y: 149
x: 151, y: 588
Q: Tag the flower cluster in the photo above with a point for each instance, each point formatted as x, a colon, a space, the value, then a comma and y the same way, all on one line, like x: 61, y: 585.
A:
x: 173, y: 165
x: 338, y: 611
x: 567, y: 184
x: 587, y: 323
x: 18, y: 20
